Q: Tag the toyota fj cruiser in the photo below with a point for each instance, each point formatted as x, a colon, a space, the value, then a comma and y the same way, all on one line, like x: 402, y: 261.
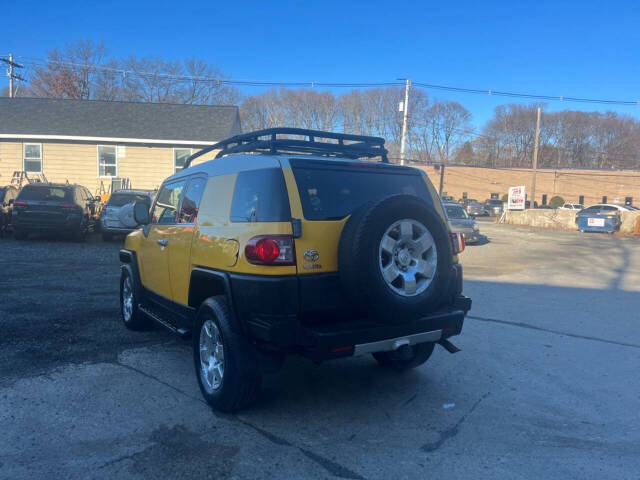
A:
x: 294, y: 241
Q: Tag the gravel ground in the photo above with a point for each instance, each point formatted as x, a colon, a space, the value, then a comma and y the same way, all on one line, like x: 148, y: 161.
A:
x: 546, y: 385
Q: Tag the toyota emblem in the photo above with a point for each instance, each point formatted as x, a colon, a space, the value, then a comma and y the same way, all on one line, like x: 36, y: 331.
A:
x: 311, y: 255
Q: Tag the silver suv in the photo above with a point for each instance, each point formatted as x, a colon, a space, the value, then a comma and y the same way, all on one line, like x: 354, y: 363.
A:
x: 117, y: 215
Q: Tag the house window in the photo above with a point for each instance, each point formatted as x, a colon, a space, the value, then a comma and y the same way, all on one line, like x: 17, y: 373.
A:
x: 180, y: 155
x: 107, y: 161
x: 32, y: 157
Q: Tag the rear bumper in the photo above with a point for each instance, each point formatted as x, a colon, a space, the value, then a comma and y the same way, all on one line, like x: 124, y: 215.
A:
x: 472, y: 237
x: 327, y: 341
x: 116, y: 230
x: 309, y: 315
x: 34, y: 226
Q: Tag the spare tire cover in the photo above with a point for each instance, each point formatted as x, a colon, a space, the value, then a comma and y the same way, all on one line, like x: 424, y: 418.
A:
x: 125, y: 215
x: 395, y: 259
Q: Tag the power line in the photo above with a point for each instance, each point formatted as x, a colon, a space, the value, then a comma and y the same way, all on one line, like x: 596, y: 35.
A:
x: 312, y: 84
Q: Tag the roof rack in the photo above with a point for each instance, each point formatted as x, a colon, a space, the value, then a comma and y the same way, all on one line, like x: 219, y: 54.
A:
x: 358, y: 146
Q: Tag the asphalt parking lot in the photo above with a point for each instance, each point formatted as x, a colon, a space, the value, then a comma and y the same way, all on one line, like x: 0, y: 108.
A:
x: 546, y: 384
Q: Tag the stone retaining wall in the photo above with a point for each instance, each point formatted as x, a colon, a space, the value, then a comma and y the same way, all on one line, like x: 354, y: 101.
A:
x: 562, y: 219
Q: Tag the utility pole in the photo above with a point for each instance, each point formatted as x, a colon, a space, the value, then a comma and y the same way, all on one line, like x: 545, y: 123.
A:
x: 441, y: 179
x: 405, y: 110
x: 10, y: 72
x: 535, y: 161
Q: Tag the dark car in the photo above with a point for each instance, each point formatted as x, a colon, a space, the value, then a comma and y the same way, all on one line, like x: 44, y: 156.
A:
x: 54, y: 208
x: 7, y: 196
x: 494, y: 207
x: 117, y: 215
x: 473, y: 207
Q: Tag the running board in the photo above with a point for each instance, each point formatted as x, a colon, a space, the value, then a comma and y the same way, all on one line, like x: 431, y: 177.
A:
x: 448, y: 346
x: 182, y: 332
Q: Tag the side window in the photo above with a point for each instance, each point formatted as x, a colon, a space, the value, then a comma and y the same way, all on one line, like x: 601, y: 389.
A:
x: 164, y: 211
x: 180, y: 155
x: 79, y: 196
x: 107, y: 161
x: 260, y: 196
x: 191, y: 201
x: 32, y: 157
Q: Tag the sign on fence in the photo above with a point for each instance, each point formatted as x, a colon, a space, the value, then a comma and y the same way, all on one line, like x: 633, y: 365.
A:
x: 516, y: 198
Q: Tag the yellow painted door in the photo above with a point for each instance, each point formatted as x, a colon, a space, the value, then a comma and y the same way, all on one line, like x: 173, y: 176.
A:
x: 180, y: 238
x: 160, y: 235
x: 155, y: 260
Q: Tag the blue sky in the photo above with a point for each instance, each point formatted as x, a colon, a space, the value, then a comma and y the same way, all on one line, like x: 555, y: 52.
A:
x: 581, y: 49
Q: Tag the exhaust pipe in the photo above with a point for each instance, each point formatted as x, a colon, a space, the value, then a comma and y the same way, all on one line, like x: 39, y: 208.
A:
x: 448, y: 346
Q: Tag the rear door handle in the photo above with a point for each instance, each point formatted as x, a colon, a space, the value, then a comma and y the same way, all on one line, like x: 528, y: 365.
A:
x: 163, y: 242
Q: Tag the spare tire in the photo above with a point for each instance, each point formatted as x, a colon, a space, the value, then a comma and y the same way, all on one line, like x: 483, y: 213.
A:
x: 125, y: 215
x: 395, y: 259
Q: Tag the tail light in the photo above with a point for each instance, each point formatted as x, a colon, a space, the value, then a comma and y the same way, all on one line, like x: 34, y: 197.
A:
x: 457, y: 242
x: 271, y: 250
x: 19, y: 204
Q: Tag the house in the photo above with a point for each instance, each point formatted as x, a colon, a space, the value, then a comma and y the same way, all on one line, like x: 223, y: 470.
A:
x: 91, y: 142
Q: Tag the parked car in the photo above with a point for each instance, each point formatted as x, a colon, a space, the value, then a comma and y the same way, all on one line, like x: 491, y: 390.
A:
x: 116, y: 217
x: 54, y: 207
x: 473, y: 207
x: 460, y: 222
x: 599, y: 218
x: 494, y: 207
x: 572, y: 206
x: 607, y: 207
x: 7, y: 197
x: 344, y: 257
x: 447, y: 199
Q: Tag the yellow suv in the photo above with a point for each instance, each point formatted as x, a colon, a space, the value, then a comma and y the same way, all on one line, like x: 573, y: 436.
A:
x: 294, y: 242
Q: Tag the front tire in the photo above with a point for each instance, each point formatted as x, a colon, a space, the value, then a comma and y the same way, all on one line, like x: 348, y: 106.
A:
x: 225, y: 362
x: 406, y: 357
x: 131, y: 315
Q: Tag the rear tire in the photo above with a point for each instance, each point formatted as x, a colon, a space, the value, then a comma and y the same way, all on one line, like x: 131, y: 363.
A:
x: 107, y: 237
x: 226, y: 364
x: 407, y: 357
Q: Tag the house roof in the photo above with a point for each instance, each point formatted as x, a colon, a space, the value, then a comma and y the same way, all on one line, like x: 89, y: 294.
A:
x: 93, y: 120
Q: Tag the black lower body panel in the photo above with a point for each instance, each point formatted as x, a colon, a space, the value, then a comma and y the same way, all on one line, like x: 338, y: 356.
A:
x: 339, y: 335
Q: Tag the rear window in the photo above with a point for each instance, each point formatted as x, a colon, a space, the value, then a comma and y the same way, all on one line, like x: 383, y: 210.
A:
x: 456, y: 212
x: 260, y: 196
x: 48, y: 194
x: 331, y: 191
x: 121, y: 199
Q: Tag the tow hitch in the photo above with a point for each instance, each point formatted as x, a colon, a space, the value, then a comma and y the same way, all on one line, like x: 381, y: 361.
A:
x: 448, y: 346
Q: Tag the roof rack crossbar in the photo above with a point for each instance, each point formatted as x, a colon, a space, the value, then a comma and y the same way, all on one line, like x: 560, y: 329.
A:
x: 361, y: 147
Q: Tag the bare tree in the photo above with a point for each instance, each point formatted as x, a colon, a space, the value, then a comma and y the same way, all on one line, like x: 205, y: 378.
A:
x: 204, y: 85
x: 450, y: 123
x: 69, y: 73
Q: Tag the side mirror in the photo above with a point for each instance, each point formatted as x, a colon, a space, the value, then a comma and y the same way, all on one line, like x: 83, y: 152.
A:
x: 97, y: 198
x: 141, y: 213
